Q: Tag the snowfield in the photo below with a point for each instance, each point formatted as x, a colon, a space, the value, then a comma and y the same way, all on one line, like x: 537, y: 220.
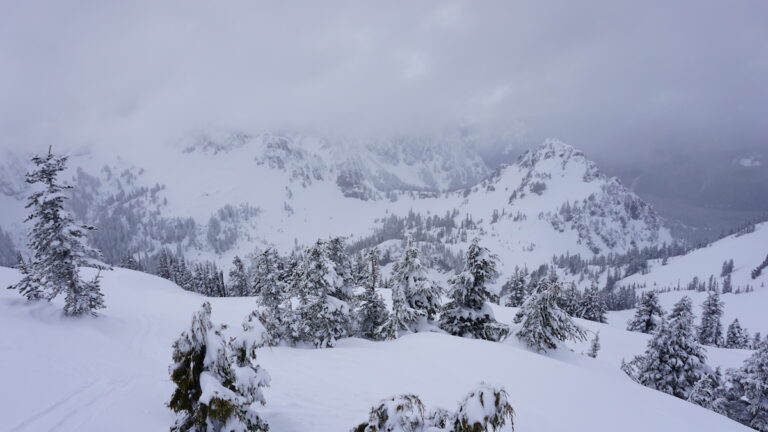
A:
x: 111, y: 373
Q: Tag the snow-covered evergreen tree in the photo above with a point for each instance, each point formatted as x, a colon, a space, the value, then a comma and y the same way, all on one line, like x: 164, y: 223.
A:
x: 727, y: 284
x: 57, y: 243
x: 486, y: 408
x: 515, y: 289
x: 649, y: 314
x: 238, y: 279
x: 410, y: 276
x: 211, y: 394
x: 324, y: 318
x: 403, y: 318
x: 746, y: 394
x: 594, y: 346
x: 710, y: 331
x: 468, y: 314
x: 570, y: 301
x: 592, y: 306
x: 543, y: 324
x: 674, y: 361
x: 403, y: 413
x: 707, y: 390
x: 342, y: 266
x: 371, y: 311
x: 736, y: 336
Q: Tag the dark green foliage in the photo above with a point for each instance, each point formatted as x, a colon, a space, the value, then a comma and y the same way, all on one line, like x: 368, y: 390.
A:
x: 468, y: 314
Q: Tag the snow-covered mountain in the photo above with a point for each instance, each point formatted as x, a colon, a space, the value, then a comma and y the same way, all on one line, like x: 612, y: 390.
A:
x: 214, y: 197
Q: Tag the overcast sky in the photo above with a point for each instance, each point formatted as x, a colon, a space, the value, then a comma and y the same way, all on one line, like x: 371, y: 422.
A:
x: 598, y: 74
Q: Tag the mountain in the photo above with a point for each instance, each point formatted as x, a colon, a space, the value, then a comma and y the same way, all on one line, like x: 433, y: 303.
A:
x: 214, y: 197
x: 115, y: 367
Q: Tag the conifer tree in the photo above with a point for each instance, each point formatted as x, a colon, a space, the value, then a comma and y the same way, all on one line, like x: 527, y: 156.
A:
x: 324, y: 317
x: 372, y: 312
x: 515, y: 289
x: 403, y: 318
x: 485, y: 408
x: 736, y: 336
x: 342, y: 267
x: 707, y: 390
x: 649, y: 314
x: 468, y: 314
x: 211, y: 394
x: 267, y: 276
x: 592, y: 306
x: 673, y: 361
x: 746, y: 395
x: 238, y: 279
x: 410, y: 276
x: 571, y: 301
x: 57, y: 243
x: 543, y: 324
x: 710, y: 330
x: 594, y: 346
x: 727, y: 284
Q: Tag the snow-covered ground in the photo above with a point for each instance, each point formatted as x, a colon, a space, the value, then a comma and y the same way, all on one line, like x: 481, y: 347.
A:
x: 110, y: 373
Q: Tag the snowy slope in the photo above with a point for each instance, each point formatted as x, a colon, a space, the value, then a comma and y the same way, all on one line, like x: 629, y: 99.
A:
x: 110, y: 373
x: 747, y: 251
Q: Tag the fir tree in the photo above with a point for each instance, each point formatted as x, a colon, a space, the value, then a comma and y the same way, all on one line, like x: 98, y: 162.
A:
x: 410, y: 276
x: 543, y: 324
x: 746, y: 395
x: 486, y: 408
x: 342, y: 267
x: 515, y: 289
x: 468, y: 314
x: 403, y: 318
x: 324, y: 317
x: 267, y: 276
x: 58, y: 244
x: 736, y: 336
x: 372, y: 312
x: 570, y: 301
x: 130, y: 263
x: 674, y: 361
x: 707, y: 390
x: 592, y: 306
x: 711, y: 330
x: 238, y: 279
x: 594, y: 346
x: 727, y: 284
x: 649, y: 315
x: 211, y: 394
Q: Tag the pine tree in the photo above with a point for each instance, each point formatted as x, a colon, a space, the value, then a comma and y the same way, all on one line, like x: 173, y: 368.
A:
x: 403, y: 318
x: 468, y: 314
x: 592, y: 306
x: 267, y: 276
x: 594, y: 346
x: 736, y: 336
x: 211, y: 394
x: 324, y: 317
x: 486, y: 408
x: 707, y: 390
x: 410, y: 276
x: 711, y: 330
x: 238, y: 279
x: 515, y: 289
x: 570, y: 301
x: 342, y: 267
x: 371, y: 312
x: 727, y: 284
x: 58, y: 244
x: 674, y: 361
x: 746, y: 395
x: 649, y: 315
x: 130, y: 263
x: 543, y: 324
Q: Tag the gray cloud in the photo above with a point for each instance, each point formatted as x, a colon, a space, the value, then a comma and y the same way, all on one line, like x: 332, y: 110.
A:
x: 598, y: 74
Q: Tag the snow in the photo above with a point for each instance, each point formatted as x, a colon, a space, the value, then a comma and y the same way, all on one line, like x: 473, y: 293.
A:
x: 111, y: 372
